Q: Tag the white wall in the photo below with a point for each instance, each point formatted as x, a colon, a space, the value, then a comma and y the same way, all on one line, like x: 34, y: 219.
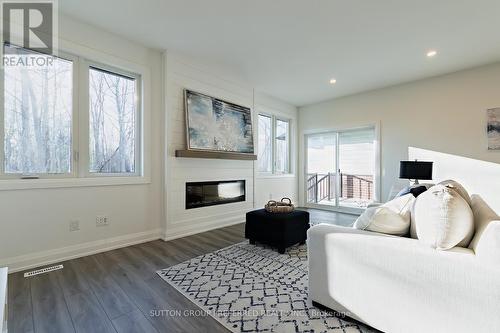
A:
x: 183, y: 72
x: 427, y: 118
x: 34, y: 226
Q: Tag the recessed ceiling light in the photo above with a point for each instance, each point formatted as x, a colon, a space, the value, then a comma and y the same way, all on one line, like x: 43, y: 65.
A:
x: 431, y: 53
x: 333, y: 81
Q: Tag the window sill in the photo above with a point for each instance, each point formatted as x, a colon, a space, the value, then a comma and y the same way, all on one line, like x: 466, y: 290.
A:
x: 28, y: 184
x: 272, y: 176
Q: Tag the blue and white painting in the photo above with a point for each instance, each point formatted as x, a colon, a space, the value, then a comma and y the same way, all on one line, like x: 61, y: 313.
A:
x: 494, y: 129
x: 216, y: 125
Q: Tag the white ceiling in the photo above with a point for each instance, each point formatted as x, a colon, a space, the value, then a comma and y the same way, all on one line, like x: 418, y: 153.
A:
x: 291, y: 48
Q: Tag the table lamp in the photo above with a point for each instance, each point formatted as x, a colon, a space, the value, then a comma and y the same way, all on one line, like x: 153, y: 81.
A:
x: 415, y: 170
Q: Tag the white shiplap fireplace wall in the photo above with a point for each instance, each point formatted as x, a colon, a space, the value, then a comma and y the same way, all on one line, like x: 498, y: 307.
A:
x: 181, y: 74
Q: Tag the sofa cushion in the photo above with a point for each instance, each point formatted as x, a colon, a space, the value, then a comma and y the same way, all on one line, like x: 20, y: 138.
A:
x: 459, y: 188
x: 486, y: 241
x: 443, y: 218
x: 391, y: 218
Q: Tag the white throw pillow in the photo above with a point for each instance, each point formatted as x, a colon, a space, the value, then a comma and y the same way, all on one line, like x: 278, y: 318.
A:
x: 391, y: 218
x: 443, y: 218
x: 459, y: 188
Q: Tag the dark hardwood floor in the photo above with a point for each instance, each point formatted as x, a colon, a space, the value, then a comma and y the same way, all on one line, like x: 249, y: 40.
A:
x: 119, y: 291
x: 330, y: 217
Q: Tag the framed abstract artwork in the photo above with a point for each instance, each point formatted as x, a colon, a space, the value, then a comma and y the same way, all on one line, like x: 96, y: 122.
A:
x: 493, y: 129
x: 216, y: 125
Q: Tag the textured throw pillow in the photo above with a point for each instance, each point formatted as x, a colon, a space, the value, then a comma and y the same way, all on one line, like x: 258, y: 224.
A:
x: 391, y: 218
x: 416, y: 190
x: 443, y: 219
x: 459, y: 188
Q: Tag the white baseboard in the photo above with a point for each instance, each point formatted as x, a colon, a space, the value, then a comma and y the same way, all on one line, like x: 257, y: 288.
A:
x: 29, y: 261
x: 33, y: 260
x: 179, y: 232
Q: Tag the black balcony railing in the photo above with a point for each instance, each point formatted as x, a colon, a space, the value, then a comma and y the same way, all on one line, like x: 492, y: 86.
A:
x: 321, y: 187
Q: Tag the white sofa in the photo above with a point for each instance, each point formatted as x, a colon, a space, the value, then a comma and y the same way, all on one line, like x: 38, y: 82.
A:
x: 396, y: 284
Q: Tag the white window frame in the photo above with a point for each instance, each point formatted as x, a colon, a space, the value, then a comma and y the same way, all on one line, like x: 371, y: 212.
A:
x: 85, y: 127
x: 80, y: 174
x: 289, y: 147
x: 270, y: 172
x: 377, y: 167
x: 74, y: 125
x: 274, y: 120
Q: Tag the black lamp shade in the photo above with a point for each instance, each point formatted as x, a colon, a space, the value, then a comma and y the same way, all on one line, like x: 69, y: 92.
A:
x: 415, y: 170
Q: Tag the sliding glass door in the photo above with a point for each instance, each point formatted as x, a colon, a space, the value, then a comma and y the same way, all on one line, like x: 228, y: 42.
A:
x: 321, y: 171
x: 340, y: 169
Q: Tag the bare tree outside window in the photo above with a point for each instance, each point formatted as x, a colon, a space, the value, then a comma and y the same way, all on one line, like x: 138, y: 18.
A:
x: 265, y: 144
x: 41, y: 107
x: 274, y: 145
x: 38, y: 112
x: 112, y: 122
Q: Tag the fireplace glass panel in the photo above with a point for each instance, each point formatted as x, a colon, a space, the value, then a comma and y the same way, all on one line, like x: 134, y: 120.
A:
x: 202, y: 194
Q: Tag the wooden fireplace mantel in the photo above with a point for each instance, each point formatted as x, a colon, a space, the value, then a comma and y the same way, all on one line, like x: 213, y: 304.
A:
x: 214, y: 155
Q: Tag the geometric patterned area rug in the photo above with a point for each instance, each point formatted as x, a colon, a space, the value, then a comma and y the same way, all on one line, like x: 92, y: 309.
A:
x: 250, y: 288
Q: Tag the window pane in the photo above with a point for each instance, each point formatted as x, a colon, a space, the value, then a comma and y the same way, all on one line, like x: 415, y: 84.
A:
x: 112, y: 122
x: 321, y: 181
x: 357, y: 167
x: 282, y: 146
x: 38, y: 94
x: 265, y: 144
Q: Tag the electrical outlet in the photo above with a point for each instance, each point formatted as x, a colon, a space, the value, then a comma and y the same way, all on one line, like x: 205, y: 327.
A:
x: 270, y: 196
x: 74, y: 225
x: 101, y: 221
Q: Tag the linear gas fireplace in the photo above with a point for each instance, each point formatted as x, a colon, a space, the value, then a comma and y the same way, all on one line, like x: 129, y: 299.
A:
x: 202, y: 194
